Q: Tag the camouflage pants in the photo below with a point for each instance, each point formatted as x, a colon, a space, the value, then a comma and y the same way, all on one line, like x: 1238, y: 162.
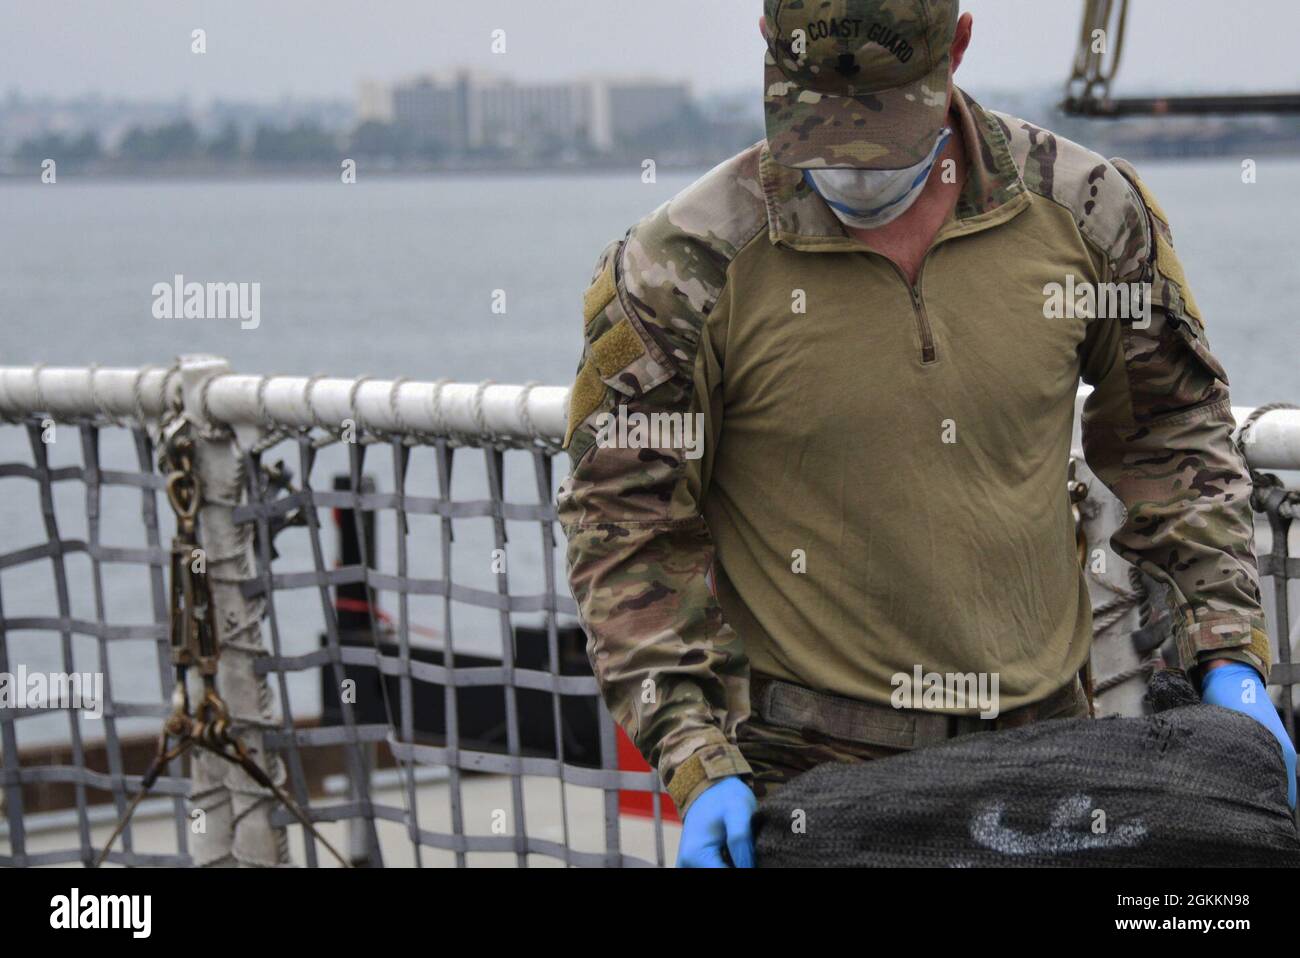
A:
x: 778, y: 753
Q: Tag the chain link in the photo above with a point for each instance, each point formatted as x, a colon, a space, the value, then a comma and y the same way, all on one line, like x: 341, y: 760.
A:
x: 193, y: 642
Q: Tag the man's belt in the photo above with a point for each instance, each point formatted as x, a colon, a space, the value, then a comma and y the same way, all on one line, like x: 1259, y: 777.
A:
x: 787, y: 705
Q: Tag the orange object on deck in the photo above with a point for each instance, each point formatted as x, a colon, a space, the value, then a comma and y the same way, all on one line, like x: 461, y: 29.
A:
x: 639, y: 802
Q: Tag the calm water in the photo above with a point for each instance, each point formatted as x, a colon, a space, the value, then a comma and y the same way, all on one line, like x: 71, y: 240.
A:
x: 387, y: 278
x: 396, y: 278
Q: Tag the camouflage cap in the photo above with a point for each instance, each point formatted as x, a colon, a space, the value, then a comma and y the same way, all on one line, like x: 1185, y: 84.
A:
x: 856, y: 83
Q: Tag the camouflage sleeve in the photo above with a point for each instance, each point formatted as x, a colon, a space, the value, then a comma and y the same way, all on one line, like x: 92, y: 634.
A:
x: 672, y: 672
x: 1157, y: 430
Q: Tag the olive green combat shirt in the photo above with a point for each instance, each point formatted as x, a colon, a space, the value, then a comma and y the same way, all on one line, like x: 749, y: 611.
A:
x: 883, y: 477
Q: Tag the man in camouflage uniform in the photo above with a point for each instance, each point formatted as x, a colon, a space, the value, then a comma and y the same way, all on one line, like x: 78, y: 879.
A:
x: 886, y: 416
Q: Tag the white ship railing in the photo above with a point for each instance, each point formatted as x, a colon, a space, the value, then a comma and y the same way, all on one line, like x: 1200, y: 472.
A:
x: 511, y: 412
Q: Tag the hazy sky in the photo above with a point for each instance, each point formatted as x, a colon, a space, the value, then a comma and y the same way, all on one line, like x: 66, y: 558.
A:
x: 262, y: 49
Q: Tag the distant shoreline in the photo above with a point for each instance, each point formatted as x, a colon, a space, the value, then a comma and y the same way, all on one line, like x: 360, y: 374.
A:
x: 315, y: 172
x: 1172, y: 150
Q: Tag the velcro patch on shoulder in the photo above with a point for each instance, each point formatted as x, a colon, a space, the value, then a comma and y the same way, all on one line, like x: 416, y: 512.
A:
x: 1148, y: 197
x: 1171, y: 267
x: 616, y: 349
x: 613, y: 352
x: 599, y: 293
x: 1167, y: 263
x: 585, y: 396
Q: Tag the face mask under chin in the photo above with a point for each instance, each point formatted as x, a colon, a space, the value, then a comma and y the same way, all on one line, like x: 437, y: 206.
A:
x: 866, y: 199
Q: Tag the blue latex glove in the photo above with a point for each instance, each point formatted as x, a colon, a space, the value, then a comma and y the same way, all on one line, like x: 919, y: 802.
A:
x: 719, y: 817
x: 1238, y: 687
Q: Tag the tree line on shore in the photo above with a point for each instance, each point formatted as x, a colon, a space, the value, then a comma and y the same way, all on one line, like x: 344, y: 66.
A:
x: 180, y: 143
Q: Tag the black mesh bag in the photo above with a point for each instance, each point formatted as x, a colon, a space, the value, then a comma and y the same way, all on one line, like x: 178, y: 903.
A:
x: 1194, y: 785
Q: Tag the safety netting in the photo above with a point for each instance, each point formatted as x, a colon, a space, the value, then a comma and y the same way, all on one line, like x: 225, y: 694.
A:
x: 77, y: 602
x: 399, y: 652
x: 452, y: 648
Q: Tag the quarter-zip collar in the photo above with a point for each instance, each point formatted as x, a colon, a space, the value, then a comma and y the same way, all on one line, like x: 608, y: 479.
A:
x: 994, y: 191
